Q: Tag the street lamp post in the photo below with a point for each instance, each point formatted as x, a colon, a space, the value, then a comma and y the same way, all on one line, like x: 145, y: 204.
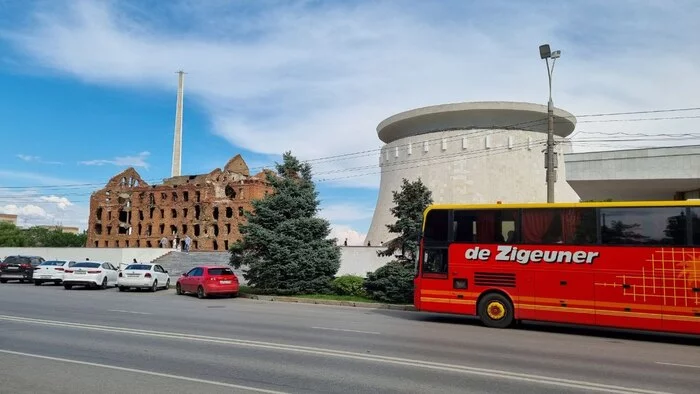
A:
x: 550, y: 157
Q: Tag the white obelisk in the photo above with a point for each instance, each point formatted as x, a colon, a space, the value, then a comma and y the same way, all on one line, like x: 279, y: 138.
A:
x: 177, y: 143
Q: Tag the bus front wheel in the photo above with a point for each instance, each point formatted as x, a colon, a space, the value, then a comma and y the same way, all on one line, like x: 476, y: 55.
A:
x: 496, y: 310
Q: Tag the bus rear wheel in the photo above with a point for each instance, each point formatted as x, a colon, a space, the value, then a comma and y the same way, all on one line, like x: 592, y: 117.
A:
x: 496, y: 310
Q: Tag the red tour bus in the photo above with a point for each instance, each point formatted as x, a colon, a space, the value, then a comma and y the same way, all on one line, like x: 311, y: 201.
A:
x: 632, y: 265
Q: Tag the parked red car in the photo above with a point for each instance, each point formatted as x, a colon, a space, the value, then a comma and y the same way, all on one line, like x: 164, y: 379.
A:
x: 208, y: 280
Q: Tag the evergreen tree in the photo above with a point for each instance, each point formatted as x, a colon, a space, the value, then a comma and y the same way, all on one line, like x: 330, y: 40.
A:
x: 409, y: 204
x: 284, y: 245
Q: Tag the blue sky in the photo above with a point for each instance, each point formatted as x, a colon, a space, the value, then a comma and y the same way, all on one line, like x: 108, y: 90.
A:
x: 88, y: 87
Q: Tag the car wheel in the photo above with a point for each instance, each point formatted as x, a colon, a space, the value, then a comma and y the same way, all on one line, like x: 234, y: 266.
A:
x: 57, y: 282
x: 104, y: 283
x: 67, y: 287
x: 3, y: 280
x: 167, y: 284
x: 37, y: 283
x: 154, y: 287
x: 200, y: 292
x: 495, y: 310
x: 178, y: 289
x: 122, y: 288
x: 21, y: 281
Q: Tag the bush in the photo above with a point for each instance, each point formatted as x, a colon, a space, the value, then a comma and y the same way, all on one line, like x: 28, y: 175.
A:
x: 392, y: 283
x: 349, y: 285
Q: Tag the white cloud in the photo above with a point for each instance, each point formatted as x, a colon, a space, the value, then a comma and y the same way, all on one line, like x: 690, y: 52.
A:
x: 342, y: 233
x: 28, y: 210
x: 345, y: 212
x: 39, y: 178
x: 121, y: 161
x: 317, y: 79
x: 61, y: 202
x: 37, y: 159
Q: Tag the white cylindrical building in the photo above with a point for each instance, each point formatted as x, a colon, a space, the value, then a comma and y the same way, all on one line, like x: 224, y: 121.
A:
x: 479, y: 152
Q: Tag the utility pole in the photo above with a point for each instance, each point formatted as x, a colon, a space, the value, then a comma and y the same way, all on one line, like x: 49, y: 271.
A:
x: 550, y: 156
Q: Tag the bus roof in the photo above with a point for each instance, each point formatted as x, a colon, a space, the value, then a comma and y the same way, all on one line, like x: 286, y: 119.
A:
x: 606, y: 204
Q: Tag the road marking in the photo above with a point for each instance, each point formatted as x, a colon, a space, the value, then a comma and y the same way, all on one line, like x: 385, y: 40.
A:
x: 345, y: 330
x: 679, y: 365
x: 135, y: 313
x: 140, y: 371
x: 443, y: 367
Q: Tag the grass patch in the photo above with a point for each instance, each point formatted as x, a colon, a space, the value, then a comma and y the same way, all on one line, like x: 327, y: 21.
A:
x: 334, y: 297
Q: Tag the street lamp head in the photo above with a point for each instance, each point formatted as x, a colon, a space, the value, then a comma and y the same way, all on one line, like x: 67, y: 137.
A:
x: 556, y: 54
x: 545, y: 52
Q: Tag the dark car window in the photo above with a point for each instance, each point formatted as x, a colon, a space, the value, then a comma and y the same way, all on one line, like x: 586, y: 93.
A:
x: 220, y: 271
x: 87, y: 265
x: 144, y: 267
x: 17, y: 260
x: 54, y: 263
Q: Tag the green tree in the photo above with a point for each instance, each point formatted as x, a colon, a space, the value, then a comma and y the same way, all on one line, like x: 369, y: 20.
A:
x: 12, y: 236
x: 394, y: 281
x: 284, y: 246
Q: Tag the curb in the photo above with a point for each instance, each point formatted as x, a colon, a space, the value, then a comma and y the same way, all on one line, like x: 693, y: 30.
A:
x: 370, y: 305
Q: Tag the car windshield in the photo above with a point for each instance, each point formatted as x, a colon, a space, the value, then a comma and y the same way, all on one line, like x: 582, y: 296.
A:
x: 87, y: 265
x: 54, y: 263
x: 220, y: 271
x: 17, y: 260
x: 145, y: 267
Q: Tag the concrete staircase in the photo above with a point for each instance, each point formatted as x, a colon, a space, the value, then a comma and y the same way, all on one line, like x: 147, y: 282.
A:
x: 177, y: 263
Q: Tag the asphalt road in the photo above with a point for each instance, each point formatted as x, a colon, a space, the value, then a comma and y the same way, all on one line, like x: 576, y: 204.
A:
x: 58, y: 341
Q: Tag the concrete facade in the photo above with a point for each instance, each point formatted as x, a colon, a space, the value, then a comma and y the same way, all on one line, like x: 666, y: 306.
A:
x: 664, y: 173
x: 469, y: 153
x: 8, y: 218
x: 208, y: 208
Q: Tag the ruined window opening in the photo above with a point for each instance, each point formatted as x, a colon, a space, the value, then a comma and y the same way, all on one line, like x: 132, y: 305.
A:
x: 136, y: 183
x: 97, y: 244
x: 151, y: 199
x: 173, y: 212
x: 240, y: 193
x: 229, y: 212
x: 162, y: 213
x: 98, y: 229
x: 109, y: 215
x: 117, y: 243
x: 226, y: 244
x: 138, y: 243
x: 197, y: 196
x: 195, y: 245
x: 216, y: 230
x: 216, y: 245
x: 140, y: 215
x: 106, y: 244
x: 173, y: 229
x: 150, y: 214
x: 149, y: 230
x: 162, y: 228
x: 127, y: 243
x: 163, y: 196
x: 123, y: 216
x: 122, y: 230
x: 184, y: 212
x: 196, y: 230
x: 149, y: 244
x: 140, y: 228
x: 196, y: 212
x: 228, y: 229
x: 215, y: 214
x: 98, y: 213
x: 109, y: 230
x: 240, y: 211
x: 174, y: 196
x: 122, y: 182
x: 206, y: 230
x: 184, y: 229
x: 186, y: 196
x: 230, y: 193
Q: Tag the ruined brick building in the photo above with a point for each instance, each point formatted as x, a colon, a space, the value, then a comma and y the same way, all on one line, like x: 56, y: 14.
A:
x: 130, y: 213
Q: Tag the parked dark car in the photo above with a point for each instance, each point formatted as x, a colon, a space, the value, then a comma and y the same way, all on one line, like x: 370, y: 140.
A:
x: 19, y: 268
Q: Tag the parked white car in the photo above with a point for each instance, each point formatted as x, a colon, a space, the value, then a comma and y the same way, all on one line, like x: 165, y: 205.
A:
x: 90, y: 274
x: 51, y: 271
x: 143, y: 275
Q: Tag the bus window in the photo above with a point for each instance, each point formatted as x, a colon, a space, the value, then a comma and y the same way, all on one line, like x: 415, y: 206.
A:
x: 436, y: 226
x: 559, y: 226
x: 643, y: 226
x: 435, y: 262
x: 695, y: 222
x: 487, y: 226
